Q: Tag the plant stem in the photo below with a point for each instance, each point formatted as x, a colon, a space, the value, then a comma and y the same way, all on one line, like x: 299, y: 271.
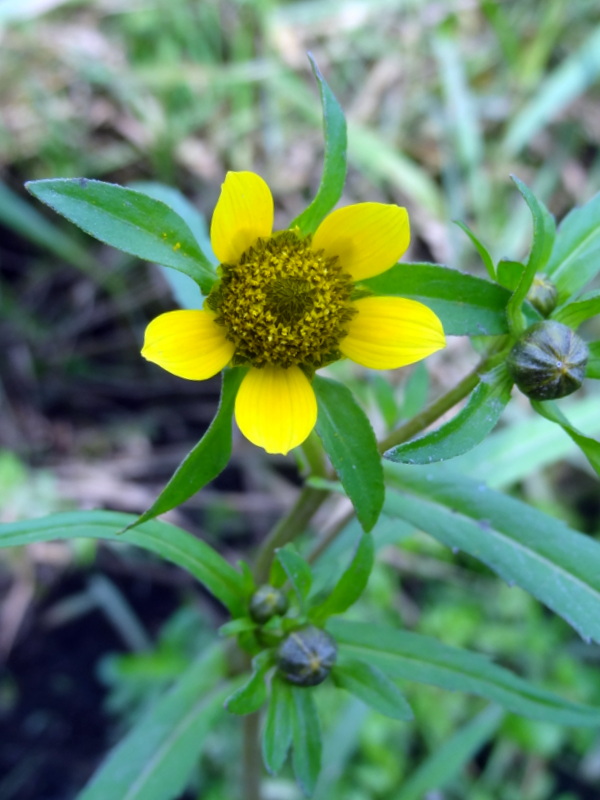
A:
x: 251, y: 758
x: 288, y: 527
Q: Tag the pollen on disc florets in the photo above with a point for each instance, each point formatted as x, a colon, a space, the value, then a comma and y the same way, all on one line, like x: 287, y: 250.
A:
x: 283, y: 303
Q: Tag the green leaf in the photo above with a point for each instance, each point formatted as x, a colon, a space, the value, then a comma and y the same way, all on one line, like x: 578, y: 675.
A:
x: 588, y: 446
x: 297, y: 570
x: 334, y: 168
x: 373, y: 687
x: 20, y: 216
x: 277, y: 733
x: 155, y: 760
x: 306, y: 736
x: 592, y: 369
x: 544, y: 232
x: 416, y: 390
x: 253, y: 694
x: 130, y: 221
x: 509, y: 273
x: 573, y: 314
x: 413, y: 657
x: 481, y: 249
x: 451, y: 756
x: 207, y: 459
x: 236, y: 626
x: 554, y: 563
x: 352, y: 583
x: 464, y: 431
x: 466, y: 305
x: 575, y: 258
x: 167, y: 541
x: 350, y: 443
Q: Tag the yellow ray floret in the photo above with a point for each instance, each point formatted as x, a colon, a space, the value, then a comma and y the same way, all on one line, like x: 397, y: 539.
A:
x: 391, y: 332
x: 188, y: 344
x: 276, y: 408
x: 243, y: 214
x: 367, y: 238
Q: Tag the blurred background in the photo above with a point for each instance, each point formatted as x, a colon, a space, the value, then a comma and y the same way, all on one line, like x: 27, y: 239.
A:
x: 444, y: 101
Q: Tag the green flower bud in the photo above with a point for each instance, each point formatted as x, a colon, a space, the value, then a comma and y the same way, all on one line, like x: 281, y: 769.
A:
x: 548, y: 361
x: 306, y: 656
x: 543, y: 295
x: 266, y: 602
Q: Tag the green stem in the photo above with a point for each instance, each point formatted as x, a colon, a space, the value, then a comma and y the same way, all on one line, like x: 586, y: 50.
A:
x: 252, y: 758
x: 289, y: 526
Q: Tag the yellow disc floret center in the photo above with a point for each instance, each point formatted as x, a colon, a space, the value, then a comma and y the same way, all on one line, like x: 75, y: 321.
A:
x: 283, y: 304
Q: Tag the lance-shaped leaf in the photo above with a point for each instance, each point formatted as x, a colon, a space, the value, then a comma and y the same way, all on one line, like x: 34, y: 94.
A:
x: 167, y: 541
x: 575, y: 258
x: 155, y: 760
x: 466, y: 305
x: 464, y: 431
x: 554, y: 563
x: 297, y: 571
x: 373, y: 687
x: 351, y: 585
x: 413, y: 657
x: 130, y: 221
x: 334, y: 167
x: 277, y: 733
x: 206, y: 460
x: 573, y: 314
x: 480, y: 247
x: 350, y: 443
x: 253, y: 694
x: 544, y: 232
x: 592, y: 369
x: 306, y: 737
x: 588, y: 446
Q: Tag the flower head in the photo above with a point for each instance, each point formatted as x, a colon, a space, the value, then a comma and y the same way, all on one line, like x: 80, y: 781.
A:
x: 286, y: 305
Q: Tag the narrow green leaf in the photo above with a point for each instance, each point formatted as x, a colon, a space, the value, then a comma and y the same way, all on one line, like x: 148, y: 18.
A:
x: 373, y: 687
x: 509, y: 273
x: 452, y: 756
x: 573, y: 314
x: 167, y: 541
x: 554, y: 563
x: 306, y: 736
x: 130, y: 221
x: 253, y: 694
x: 544, y: 232
x: 411, y: 656
x: 20, y: 216
x: 297, y: 571
x: 155, y: 760
x: 466, y: 305
x: 352, y: 583
x: 592, y: 369
x: 464, y: 431
x: 575, y: 258
x: 481, y: 249
x: 350, y: 443
x: 277, y: 733
x: 588, y: 446
x: 207, y: 459
x: 334, y: 168
x: 416, y: 390
x: 236, y: 626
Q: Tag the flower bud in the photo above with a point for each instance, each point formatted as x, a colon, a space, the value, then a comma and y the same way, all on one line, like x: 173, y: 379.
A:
x: 543, y: 295
x: 548, y: 361
x: 306, y: 656
x: 266, y: 602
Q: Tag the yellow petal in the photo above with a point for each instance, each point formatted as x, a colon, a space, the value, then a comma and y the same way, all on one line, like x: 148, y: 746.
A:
x: 368, y: 238
x: 244, y: 213
x: 390, y: 332
x: 276, y: 408
x: 189, y: 344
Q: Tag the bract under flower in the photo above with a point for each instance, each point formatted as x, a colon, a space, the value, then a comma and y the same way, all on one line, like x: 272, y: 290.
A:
x: 283, y: 306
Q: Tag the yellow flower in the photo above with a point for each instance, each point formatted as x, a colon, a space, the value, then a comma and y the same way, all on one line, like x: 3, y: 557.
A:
x: 286, y: 305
